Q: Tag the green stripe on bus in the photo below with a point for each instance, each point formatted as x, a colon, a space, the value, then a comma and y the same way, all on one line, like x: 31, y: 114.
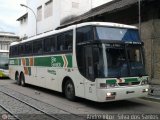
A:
x: 69, y: 59
x: 127, y: 80
x: 113, y: 81
x: 42, y: 61
x: 14, y: 62
x: 51, y: 61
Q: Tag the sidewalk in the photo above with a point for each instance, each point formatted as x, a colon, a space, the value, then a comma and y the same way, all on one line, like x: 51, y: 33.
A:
x: 154, y: 93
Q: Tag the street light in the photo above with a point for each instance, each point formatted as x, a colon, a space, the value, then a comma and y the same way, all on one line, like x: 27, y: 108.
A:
x: 139, y: 7
x: 32, y: 12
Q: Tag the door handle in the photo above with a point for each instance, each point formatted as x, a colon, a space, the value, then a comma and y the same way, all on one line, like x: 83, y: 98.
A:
x: 81, y: 83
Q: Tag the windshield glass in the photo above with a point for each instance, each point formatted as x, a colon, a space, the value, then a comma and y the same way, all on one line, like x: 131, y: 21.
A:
x: 116, y: 62
x: 4, y: 60
x: 120, y: 61
x: 122, y: 34
x: 135, y: 59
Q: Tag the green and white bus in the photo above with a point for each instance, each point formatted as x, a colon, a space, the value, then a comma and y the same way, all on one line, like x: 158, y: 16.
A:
x: 4, y: 61
x: 98, y: 61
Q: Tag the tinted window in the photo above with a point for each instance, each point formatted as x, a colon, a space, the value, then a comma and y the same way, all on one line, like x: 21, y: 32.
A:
x: 65, y: 41
x: 15, y: 50
x: 123, y: 34
x: 37, y: 47
x: 68, y: 40
x: 84, y: 34
x: 21, y: 49
x: 28, y: 48
x: 50, y: 44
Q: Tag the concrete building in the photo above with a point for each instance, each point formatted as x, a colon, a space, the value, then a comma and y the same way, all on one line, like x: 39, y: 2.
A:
x: 127, y: 12
x: 23, y: 21
x: 50, y: 14
x: 6, y: 38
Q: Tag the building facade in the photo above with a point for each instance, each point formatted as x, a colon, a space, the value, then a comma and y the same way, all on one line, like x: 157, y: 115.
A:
x: 6, y: 38
x: 50, y: 14
x: 23, y: 21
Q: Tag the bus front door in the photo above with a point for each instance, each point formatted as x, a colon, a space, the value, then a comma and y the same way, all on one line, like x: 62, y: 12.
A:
x: 90, y: 86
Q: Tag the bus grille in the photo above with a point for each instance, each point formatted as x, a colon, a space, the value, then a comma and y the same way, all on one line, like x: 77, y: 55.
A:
x: 128, y: 84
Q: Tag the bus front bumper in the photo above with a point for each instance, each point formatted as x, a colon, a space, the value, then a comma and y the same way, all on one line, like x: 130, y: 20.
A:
x: 106, y: 95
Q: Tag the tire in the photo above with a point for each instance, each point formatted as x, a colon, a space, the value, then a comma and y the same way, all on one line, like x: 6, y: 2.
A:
x: 17, y: 79
x: 69, y: 90
x: 22, y: 80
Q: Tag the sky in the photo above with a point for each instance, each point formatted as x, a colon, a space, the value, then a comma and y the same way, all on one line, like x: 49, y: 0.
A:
x: 10, y: 11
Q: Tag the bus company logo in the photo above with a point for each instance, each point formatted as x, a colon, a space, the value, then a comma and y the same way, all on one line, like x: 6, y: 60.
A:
x: 55, y: 63
x: 51, y: 72
x: 4, y: 117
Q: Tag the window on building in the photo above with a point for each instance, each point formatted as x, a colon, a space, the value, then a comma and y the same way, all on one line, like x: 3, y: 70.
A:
x: 48, y: 9
x: 39, y: 13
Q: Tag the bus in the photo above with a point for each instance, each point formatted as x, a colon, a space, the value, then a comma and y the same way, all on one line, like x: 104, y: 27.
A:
x: 4, y: 61
x: 98, y: 61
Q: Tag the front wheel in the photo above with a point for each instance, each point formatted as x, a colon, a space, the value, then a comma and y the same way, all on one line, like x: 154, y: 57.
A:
x: 70, y: 90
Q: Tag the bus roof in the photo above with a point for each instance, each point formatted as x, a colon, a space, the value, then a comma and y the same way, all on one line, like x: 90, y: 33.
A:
x: 109, y: 24
x: 4, y: 51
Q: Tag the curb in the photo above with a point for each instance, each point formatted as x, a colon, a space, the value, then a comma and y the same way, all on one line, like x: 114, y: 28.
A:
x: 151, y: 98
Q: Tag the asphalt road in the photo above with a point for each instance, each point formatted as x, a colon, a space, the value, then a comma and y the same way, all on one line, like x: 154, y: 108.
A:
x: 82, y: 106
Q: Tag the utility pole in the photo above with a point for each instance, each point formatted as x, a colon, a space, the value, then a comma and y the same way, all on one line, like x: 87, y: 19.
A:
x: 139, y: 14
x: 32, y: 12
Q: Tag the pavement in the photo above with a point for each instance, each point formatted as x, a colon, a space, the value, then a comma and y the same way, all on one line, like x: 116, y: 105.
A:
x: 154, y: 93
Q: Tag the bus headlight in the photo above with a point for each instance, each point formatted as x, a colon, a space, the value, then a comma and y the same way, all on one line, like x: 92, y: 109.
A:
x: 110, y: 95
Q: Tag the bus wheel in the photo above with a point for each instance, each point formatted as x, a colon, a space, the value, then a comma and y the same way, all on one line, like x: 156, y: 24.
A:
x: 22, y: 79
x: 69, y: 90
x: 17, y: 78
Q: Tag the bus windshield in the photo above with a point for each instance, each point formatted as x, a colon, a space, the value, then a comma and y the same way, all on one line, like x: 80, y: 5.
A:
x: 121, y: 34
x: 4, y: 61
x: 121, y: 62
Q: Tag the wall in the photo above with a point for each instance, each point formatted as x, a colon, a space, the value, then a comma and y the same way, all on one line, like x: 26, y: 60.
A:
x: 62, y: 10
x: 23, y: 29
x: 5, y: 42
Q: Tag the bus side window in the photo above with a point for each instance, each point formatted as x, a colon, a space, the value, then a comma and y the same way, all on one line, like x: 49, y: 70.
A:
x: 60, y: 42
x: 47, y: 45
x: 38, y: 47
x: 84, y: 34
x: 69, y: 40
x: 53, y: 44
x: 28, y: 48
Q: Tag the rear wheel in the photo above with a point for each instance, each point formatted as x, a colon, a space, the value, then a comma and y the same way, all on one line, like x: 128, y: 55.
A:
x: 69, y: 90
x: 22, y: 79
x: 17, y: 78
